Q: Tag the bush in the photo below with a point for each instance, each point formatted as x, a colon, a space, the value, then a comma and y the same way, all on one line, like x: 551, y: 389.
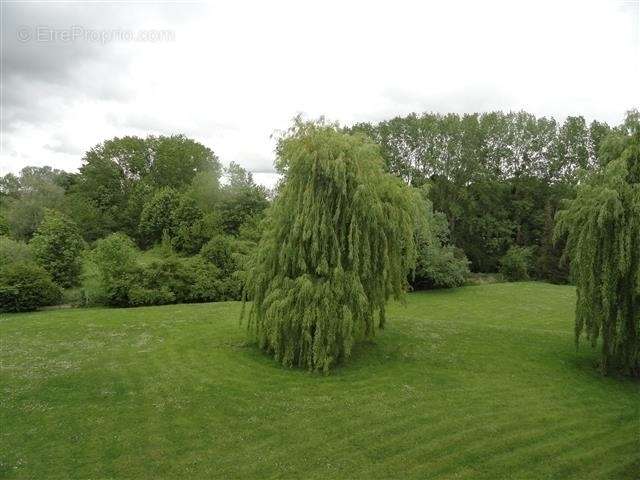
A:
x: 57, y: 246
x: 115, y: 260
x: 516, y: 264
x: 438, y: 264
x: 4, y: 226
x: 550, y: 267
x: 114, y: 254
x: 190, y: 228
x: 220, y: 252
x: 26, y: 286
x: 166, y: 279
x: 157, y: 215
x: 138, y: 296
x: 189, y: 238
x: 440, y: 267
x: 204, y: 279
x: 188, y: 280
x: 126, y: 282
x: 12, y: 251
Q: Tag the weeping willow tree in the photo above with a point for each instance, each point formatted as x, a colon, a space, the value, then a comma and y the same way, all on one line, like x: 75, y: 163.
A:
x: 602, y: 227
x: 339, y: 242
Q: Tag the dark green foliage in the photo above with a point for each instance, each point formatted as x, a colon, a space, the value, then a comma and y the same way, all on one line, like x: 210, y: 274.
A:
x: 157, y: 217
x: 191, y: 228
x: 177, y: 217
x: 439, y: 264
x: 228, y: 256
x: 4, y: 226
x: 496, y: 176
x: 219, y: 251
x: 251, y: 230
x: 26, y: 286
x: 549, y: 264
x: 206, y: 283
x: 120, y: 175
x: 517, y: 263
x: 180, y: 280
x: 114, y: 254
x: 57, y: 245
x: 87, y: 216
x: 602, y: 227
x: 338, y: 243
x: 128, y: 282
x: 484, y: 229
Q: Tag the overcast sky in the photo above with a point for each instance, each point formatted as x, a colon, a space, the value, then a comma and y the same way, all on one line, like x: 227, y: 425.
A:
x: 229, y: 74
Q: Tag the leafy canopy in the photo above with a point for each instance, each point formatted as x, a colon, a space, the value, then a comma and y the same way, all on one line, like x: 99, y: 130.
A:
x: 602, y: 226
x: 339, y: 241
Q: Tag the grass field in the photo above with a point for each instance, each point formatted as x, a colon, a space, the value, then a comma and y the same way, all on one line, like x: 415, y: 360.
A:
x: 477, y: 382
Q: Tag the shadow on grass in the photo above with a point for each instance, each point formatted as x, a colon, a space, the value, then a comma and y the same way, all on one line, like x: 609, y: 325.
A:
x: 369, y: 357
x: 587, y: 362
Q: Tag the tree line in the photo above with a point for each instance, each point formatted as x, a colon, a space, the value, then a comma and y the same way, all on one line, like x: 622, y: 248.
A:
x: 85, y: 234
x: 499, y: 178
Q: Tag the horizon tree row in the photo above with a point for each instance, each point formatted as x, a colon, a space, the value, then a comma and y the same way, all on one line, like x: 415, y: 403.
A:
x: 499, y: 178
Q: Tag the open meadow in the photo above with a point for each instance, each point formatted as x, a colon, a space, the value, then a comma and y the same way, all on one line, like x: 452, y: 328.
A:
x: 475, y: 382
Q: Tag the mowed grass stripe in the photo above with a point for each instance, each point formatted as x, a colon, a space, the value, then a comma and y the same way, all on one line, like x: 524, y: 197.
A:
x: 478, y: 382
x: 562, y: 451
x: 512, y: 440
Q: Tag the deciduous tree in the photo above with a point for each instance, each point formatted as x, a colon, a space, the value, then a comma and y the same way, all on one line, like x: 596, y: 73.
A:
x: 338, y: 243
x: 602, y: 226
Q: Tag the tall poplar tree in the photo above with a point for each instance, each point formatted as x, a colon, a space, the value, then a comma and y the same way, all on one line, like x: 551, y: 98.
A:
x: 602, y: 226
x: 339, y: 242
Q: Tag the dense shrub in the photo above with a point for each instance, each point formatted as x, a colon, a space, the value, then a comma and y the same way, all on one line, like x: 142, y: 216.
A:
x: 219, y: 251
x: 439, y: 264
x: 113, y: 254
x: 26, y: 286
x: 57, y: 245
x: 127, y: 282
x: 177, y: 217
x: 228, y: 255
x: 440, y: 267
x: 251, y: 230
x: 139, y: 295
x: 550, y: 267
x: 189, y: 237
x: 4, y: 226
x: 115, y: 260
x: 203, y: 280
x: 13, y: 251
x: 516, y: 264
x: 157, y: 215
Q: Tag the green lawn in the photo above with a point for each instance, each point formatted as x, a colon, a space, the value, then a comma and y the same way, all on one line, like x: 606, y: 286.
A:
x: 477, y: 382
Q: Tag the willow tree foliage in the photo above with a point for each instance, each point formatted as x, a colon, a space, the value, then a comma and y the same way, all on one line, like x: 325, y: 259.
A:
x: 339, y: 242
x: 602, y: 226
